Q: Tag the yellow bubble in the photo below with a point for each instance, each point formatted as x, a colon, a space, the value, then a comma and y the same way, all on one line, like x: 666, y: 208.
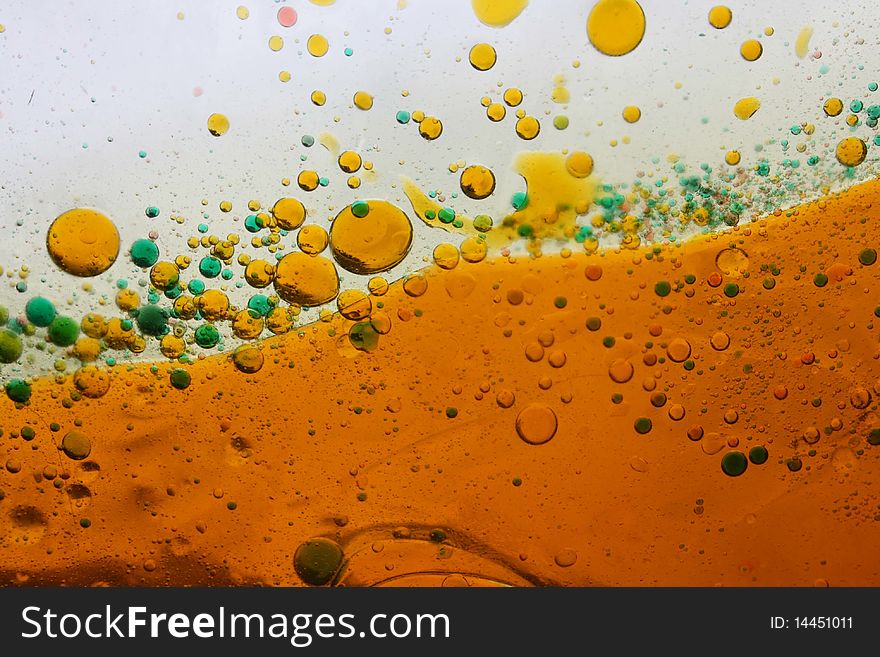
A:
x: 83, y: 242
x: 528, y: 128
x: 308, y: 180
x: 579, y: 164
x: 745, y: 108
x: 127, y: 299
x: 93, y: 325
x: 354, y: 305
x: 276, y: 43
x: 378, y: 286
x: 631, y: 113
x: 91, y: 381
x: 496, y: 112
x: 185, y: 307
x: 306, y: 280
x: 87, y: 349
x: 430, y: 128
x: 319, y: 98
x: 833, y: 107
x: 213, y: 304
x: 497, y: 13
x: 536, y: 424
x: 117, y: 337
x: 172, y: 346
x: 751, y: 50
x: 372, y: 243
x: 720, y: 17
x: 354, y: 182
x: 851, y: 151
x: 312, y: 239
x: 289, y: 213
x: 242, y: 12
x: 445, y: 256
x: 248, y: 358
x: 616, y: 27
x: 415, y: 285
x: 513, y: 96
x: 225, y: 206
x: 164, y: 275
x: 477, y: 182
x: 349, y: 161
x: 363, y: 100
x: 247, y: 324
x: 218, y: 124
x: 473, y: 250
x: 732, y: 158
x: 279, y: 320
x: 769, y: 31
x: 259, y: 273
x: 380, y: 322
x: 802, y: 43
x: 284, y: 76
x: 482, y: 57
x: 317, y: 45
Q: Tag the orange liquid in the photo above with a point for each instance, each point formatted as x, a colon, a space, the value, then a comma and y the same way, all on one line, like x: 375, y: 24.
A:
x: 409, y: 456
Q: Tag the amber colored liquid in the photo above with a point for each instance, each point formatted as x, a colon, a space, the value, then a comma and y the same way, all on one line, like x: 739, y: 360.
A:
x: 326, y: 440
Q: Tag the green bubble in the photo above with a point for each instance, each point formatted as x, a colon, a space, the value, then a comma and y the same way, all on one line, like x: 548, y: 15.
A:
x: 152, y: 212
x: 317, y: 560
x: 643, y: 425
x: 63, y: 331
x: 152, y: 320
x: 662, y: 288
x: 483, y: 223
x: 560, y: 122
x: 820, y: 280
x: 758, y: 454
x: 10, y: 346
x: 733, y: 464
x: 39, y: 311
x: 18, y: 390
x: 794, y: 464
x: 207, y: 336
x: 253, y: 224
x: 210, y: 267
x: 731, y: 290
x: 144, y: 253
x: 868, y: 257
x: 446, y: 215
x: 259, y: 304
x: 403, y: 117
x: 560, y: 302
x: 360, y: 209
x: 594, y: 323
x: 180, y: 378
x: 519, y: 200
x: 363, y: 336
x: 76, y: 446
